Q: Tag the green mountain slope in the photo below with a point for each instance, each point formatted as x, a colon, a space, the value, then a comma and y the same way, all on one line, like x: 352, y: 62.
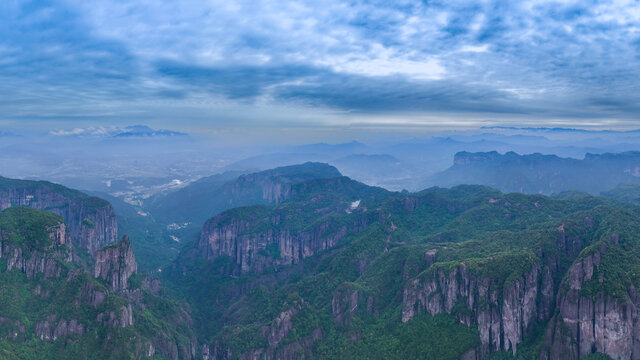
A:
x: 438, y: 274
x: 151, y: 240
x: 91, y: 221
x: 184, y: 211
x: 54, y: 309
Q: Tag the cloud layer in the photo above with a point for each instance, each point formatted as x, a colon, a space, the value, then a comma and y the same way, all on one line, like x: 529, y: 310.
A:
x: 197, y: 62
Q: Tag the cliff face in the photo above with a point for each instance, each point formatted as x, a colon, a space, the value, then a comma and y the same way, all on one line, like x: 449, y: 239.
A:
x: 54, y: 302
x: 261, y: 237
x: 91, y: 222
x: 33, y: 261
x: 263, y: 188
x: 274, y: 335
x: 588, y: 323
x: 503, y: 267
x: 502, y: 312
x: 115, y: 264
x: 275, y: 186
x: 256, y: 251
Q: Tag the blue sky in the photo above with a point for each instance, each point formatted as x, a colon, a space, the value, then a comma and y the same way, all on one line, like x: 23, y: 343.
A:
x: 213, y: 65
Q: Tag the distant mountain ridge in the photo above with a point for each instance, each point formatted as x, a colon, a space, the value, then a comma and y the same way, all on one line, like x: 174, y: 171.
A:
x: 132, y: 131
x: 541, y: 174
x: 208, y: 196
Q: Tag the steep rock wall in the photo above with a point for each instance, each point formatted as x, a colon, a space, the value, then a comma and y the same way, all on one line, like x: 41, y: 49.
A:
x: 502, y: 312
x: 91, y: 221
x: 115, y: 264
x: 255, y: 251
x: 35, y: 261
x: 585, y: 324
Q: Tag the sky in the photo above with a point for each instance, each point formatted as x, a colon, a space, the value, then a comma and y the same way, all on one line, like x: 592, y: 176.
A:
x: 210, y: 66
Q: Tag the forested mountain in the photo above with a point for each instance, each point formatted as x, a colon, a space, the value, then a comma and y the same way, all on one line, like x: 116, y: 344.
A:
x: 54, y: 308
x: 190, y: 207
x: 344, y: 270
x: 91, y: 221
x: 320, y: 266
x: 624, y: 192
x: 541, y: 174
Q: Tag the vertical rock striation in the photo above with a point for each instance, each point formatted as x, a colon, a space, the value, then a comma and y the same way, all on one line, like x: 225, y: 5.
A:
x: 276, y: 185
x: 586, y: 323
x: 115, y: 264
x: 33, y: 260
x: 91, y: 222
x: 255, y: 251
x: 503, y: 312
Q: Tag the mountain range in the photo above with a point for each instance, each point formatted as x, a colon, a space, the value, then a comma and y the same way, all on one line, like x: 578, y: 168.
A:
x: 303, y: 262
x: 541, y: 174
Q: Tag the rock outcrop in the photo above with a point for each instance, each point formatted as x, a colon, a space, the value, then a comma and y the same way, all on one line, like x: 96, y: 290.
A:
x: 91, y: 222
x: 277, y: 331
x: 502, y: 312
x: 586, y: 323
x: 52, y: 329
x: 274, y: 186
x: 114, y: 319
x: 34, y: 261
x: 115, y: 264
x: 541, y: 174
x: 48, y: 298
x: 346, y: 302
x: 256, y: 251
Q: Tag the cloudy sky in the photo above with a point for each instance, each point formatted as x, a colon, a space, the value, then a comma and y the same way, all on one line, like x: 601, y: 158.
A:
x: 208, y: 65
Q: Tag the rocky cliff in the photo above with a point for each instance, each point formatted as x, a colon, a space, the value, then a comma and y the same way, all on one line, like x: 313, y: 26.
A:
x: 115, y: 264
x: 91, y: 222
x: 255, y: 251
x: 53, y: 308
x: 502, y: 311
x: 274, y: 186
x: 274, y: 336
x: 259, y: 237
x: 34, y: 260
x: 541, y: 174
x: 445, y: 273
x: 502, y: 307
x: 590, y: 319
x: 209, y: 196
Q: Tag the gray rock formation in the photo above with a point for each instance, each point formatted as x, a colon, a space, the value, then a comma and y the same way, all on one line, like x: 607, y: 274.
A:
x: 35, y: 261
x: 52, y: 329
x: 115, y: 264
x: 585, y: 323
x: 277, y: 331
x: 122, y: 319
x: 502, y: 312
x: 346, y: 302
x: 275, y: 186
x: 91, y: 222
x: 225, y: 236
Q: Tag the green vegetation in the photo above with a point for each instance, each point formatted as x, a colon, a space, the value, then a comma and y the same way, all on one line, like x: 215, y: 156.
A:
x: 624, y: 192
x: 151, y: 242
x: 343, y: 301
x: 66, y: 293
x: 496, y: 236
x: 26, y: 226
x: 88, y: 223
